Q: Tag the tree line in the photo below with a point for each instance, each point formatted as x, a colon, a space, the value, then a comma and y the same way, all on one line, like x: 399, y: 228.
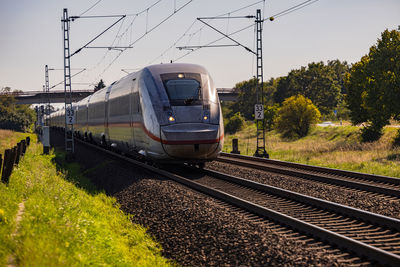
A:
x: 366, y: 92
x: 12, y: 116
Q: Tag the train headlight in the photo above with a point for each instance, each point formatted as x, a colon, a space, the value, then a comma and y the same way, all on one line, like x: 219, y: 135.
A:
x: 206, y: 116
x: 171, y: 119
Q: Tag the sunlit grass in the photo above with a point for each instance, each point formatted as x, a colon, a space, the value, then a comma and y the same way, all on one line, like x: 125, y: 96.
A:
x: 335, y: 147
x: 66, y: 225
x: 8, y: 139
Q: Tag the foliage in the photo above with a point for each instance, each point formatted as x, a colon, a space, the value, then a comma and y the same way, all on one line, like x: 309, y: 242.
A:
x: 63, y: 225
x: 321, y: 83
x: 396, y: 140
x: 334, y: 147
x: 99, y: 86
x: 235, y: 123
x: 270, y: 113
x: 248, y: 96
x: 373, y: 86
x: 296, y: 116
x: 12, y: 116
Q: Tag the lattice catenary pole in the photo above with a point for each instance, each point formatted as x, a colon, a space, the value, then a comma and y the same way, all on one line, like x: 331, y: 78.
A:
x: 69, y: 127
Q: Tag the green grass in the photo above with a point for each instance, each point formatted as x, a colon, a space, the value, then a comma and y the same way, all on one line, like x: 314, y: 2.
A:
x: 66, y: 221
x: 8, y: 139
x: 334, y: 147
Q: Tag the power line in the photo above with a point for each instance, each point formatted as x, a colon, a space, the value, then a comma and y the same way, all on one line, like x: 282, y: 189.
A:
x: 271, y: 18
x: 199, y: 30
x: 143, y: 35
x: 95, y: 4
x: 97, y: 36
x: 213, y: 42
x: 294, y: 8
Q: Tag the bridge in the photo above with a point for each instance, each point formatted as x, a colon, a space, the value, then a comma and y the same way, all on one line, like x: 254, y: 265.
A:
x: 57, y: 96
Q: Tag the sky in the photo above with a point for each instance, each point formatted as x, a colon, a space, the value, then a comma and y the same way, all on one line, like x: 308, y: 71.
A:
x: 31, y: 37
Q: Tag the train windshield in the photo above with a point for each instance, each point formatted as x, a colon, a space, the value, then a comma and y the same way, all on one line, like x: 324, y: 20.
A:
x: 186, y: 90
x: 183, y: 89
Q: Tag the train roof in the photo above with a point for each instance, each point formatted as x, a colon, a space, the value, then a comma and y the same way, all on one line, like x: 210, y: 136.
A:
x: 175, y: 67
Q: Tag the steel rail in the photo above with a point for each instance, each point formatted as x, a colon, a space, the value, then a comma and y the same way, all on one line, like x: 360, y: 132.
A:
x: 360, y: 248
x: 304, y: 171
x: 360, y: 175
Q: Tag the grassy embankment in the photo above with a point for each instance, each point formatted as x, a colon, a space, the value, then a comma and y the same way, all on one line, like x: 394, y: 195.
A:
x: 64, y: 224
x: 334, y: 147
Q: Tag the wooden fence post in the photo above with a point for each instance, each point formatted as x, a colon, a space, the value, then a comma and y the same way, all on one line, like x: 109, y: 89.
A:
x: 1, y: 161
x: 18, y: 151
x: 23, y: 147
x: 7, y: 166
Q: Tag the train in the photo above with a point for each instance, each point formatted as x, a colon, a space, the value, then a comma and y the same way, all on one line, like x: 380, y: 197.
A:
x: 167, y: 113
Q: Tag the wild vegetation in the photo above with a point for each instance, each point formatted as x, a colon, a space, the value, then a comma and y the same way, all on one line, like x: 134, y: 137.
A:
x: 66, y: 221
x: 335, y: 147
x: 368, y: 92
x: 296, y: 116
x: 374, y: 86
x: 12, y: 116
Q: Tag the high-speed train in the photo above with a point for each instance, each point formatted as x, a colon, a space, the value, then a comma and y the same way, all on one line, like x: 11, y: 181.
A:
x: 167, y: 113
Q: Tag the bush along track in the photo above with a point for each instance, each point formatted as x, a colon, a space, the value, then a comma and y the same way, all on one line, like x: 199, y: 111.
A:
x: 64, y: 224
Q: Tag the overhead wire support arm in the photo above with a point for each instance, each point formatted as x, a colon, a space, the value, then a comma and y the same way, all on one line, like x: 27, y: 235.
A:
x: 82, y: 70
x: 231, y: 17
x: 91, y: 41
x: 227, y: 36
x: 203, y: 46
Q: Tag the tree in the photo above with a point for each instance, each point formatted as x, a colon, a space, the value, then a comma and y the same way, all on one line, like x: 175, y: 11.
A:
x: 296, y: 116
x: 373, y: 86
x: 248, y: 96
x: 235, y: 123
x: 270, y: 114
x: 319, y: 82
x: 99, y: 86
x: 12, y: 116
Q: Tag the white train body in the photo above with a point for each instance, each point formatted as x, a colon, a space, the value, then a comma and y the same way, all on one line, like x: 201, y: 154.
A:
x: 167, y: 112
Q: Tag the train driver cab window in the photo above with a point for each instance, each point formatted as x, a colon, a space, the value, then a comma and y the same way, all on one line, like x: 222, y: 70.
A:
x: 183, y: 89
x: 186, y: 90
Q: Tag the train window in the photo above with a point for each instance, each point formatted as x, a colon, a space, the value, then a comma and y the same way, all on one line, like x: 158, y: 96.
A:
x: 186, y: 90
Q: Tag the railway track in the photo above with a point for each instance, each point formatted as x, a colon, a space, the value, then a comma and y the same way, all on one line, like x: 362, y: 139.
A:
x: 375, y: 184
x: 369, y: 235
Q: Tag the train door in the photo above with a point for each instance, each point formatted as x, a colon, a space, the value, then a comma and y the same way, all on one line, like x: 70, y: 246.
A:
x: 132, y: 111
x: 106, y: 113
x: 138, y: 127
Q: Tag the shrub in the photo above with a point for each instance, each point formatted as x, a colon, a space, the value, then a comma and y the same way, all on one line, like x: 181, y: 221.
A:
x: 12, y: 116
x: 296, y: 116
x: 235, y: 123
x: 371, y: 133
x: 270, y: 113
x: 396, y: 141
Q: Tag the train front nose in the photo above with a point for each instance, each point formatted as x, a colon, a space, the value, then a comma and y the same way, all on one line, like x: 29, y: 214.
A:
x: 191, y: 140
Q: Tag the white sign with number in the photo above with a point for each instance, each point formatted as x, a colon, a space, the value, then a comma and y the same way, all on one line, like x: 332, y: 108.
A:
x: 258, y: 111
x: 70, y: 115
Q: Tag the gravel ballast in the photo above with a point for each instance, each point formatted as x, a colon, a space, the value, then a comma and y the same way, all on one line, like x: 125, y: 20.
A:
x: 194, y: 229
x: 377, y: 204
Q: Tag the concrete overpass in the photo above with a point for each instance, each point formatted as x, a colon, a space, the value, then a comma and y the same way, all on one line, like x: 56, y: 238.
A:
x: 37, y: 97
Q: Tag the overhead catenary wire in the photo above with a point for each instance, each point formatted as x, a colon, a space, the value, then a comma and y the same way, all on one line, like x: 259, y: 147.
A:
x: 82, y: 70
x: 199, y: 30
x: 145, y: 34
x: 87, y: 10
x: 270, y: 18
x: 129, y: 27
x: 293, y: 8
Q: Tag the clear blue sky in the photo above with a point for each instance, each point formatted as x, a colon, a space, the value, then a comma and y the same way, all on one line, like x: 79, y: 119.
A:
x: 31, y: 37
